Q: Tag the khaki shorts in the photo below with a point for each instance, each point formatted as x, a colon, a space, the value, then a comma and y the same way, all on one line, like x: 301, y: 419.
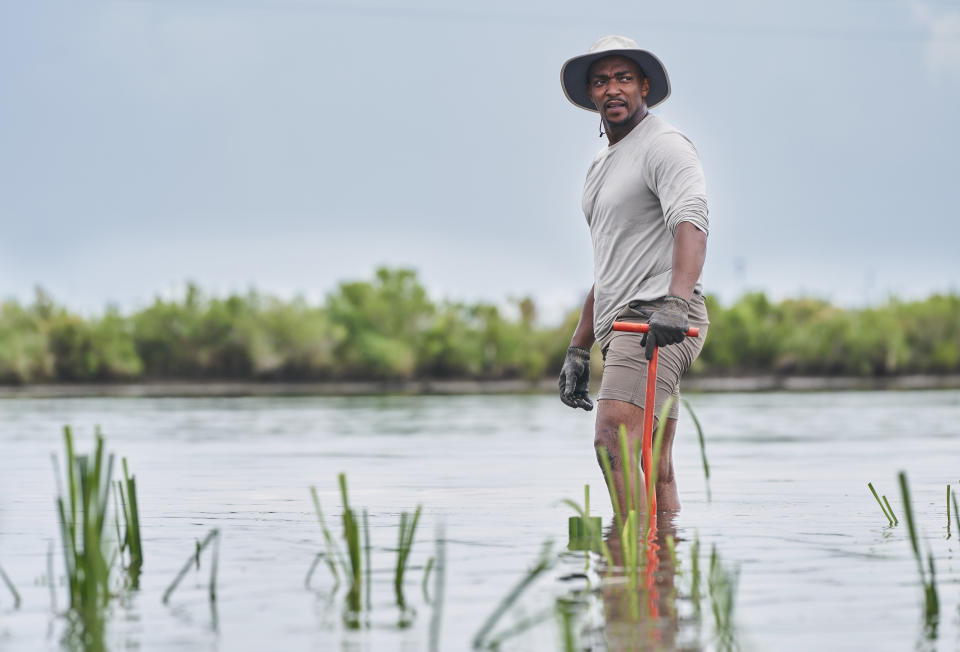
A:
x: 625, y: 367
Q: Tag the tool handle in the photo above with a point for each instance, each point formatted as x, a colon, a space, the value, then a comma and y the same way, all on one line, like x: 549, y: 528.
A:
x: 634, y: 327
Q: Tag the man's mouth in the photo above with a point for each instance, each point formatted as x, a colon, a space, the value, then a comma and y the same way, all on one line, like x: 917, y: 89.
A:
x: 615, y: 104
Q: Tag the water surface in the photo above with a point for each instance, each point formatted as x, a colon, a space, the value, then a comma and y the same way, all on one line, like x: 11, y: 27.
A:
x: 818, y: 565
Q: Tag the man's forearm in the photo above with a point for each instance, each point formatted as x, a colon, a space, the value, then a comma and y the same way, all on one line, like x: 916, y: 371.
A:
x: 583, y: 334
x: 689, y: 252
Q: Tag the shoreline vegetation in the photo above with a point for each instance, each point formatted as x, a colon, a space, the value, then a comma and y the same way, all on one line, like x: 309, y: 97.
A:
x: 386, y: 335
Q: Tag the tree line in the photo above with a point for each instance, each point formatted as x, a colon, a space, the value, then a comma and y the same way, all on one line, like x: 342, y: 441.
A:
x: 388, y: 328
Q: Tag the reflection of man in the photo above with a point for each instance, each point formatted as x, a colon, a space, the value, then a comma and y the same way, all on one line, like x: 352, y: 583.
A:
x: 645, y: 203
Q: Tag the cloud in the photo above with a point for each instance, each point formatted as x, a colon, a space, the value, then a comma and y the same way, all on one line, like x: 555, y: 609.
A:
x: 942, y: 46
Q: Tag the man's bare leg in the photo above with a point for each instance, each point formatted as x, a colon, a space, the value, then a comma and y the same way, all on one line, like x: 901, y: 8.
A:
x: 612, y: 413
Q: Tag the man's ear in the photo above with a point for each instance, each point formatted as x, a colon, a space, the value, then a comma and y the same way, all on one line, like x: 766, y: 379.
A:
x: 644, y: 87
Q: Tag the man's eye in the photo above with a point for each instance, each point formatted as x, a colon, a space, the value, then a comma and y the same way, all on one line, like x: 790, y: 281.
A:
x: 599, y: 82
x: 624, y: 78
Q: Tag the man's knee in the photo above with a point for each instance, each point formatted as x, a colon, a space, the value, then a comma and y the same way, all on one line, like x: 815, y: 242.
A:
x: 606, y: 441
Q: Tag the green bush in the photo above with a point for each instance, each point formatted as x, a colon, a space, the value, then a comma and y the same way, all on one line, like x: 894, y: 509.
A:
x: 388, y: 328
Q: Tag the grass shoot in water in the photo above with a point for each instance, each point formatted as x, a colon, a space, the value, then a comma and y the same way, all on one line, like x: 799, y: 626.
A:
x: 11, y: 587
x: 722, y: 586
x: 886, y: 502
x: 882, y: 508
x: 703, y: 445
x: 351, y: 533
x: 544, y: 563
x: 193, y: 561
x: 695, y: 574
x: 81, y: 511
x: 956, y: 509
x: 130, y: 541
x: 439, y: 584
x: 931, y: 602
x: 408, y: 527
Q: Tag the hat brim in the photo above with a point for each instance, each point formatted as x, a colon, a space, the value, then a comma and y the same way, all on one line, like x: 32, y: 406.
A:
x: 573, y: 76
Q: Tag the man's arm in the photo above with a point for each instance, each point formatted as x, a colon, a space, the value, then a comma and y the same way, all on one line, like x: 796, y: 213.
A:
x: 583, y: 334
x: 689, y: 252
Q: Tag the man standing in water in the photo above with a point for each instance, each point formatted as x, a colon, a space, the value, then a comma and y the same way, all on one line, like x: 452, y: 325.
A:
x: 646, y: 206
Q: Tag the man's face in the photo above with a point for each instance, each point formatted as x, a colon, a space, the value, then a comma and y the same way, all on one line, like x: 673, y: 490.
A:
x: 617, y: 89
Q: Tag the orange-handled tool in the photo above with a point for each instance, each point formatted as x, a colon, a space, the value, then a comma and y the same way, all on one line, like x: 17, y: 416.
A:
x: 633, y: 327
x: 649, y: 402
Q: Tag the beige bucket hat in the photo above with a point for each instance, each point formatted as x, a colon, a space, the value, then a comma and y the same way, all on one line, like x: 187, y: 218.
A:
x: 573, y: 75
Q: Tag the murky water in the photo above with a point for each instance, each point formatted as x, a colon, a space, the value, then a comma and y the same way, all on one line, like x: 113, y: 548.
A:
x: 818, y: 566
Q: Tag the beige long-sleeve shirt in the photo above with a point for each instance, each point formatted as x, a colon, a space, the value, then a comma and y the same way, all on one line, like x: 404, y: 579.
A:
x: 637, y: 191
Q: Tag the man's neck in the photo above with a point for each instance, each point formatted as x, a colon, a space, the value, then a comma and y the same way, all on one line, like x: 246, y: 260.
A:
x: 618, y: 132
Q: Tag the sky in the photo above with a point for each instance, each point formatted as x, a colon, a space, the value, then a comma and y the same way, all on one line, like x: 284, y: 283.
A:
x: 288, y: 145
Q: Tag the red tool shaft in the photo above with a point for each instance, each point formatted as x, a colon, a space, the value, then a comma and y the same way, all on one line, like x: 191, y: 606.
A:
x: 648, y: 411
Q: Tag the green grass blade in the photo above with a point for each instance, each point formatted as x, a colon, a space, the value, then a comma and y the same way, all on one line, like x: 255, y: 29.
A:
x: 575, y: 507
x: 13, y: 590
x: 426, y: 579
x: 911, y: 528
x: 948, y: 511
x: 956, y: 509
x: 333, y: 551
x: 882, y: 508
x: 214, y: 564
x: 439, y: 585
x: 890, y: 509
x: 703, y: 445
x: 366, y: 553
x: 608, y: 477
x: 544, y: 562
x: 191, y: 561
x: 627, y: 468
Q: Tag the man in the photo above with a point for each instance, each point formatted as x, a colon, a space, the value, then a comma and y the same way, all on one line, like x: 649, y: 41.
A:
x: 645, y: 203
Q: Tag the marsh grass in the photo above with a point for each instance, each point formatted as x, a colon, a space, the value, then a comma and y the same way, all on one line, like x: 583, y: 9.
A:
x: 130, y: 539
x: 585, y: 532
x: 13, y: 590
x: 695, y: 591
x: 931, y: 602
x: 439, y: 585
x: 351, y: 534
x: 408, y: 528
x: 544, y: 562
x: 82, y: 504
x: 213, y: 537
x: 956, y: 509
x: 332, y: 556
x: 722, y: 586
x: 886, y: 514
x: 703, y: 445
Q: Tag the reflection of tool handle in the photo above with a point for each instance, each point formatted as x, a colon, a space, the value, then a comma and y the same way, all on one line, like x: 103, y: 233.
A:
x: 648, y: 409
x: 633, y: 327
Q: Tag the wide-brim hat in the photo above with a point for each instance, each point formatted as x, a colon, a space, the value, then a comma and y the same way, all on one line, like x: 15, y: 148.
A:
x: 573, y: 75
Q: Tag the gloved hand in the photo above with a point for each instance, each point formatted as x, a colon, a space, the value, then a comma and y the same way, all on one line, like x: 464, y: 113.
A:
x: 667, y: 326
x: 575, y: 378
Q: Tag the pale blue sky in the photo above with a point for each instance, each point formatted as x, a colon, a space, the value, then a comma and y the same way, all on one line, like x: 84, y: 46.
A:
x: 291, y: 144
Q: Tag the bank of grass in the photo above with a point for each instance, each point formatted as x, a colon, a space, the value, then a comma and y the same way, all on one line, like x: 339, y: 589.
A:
x: 389, y: 328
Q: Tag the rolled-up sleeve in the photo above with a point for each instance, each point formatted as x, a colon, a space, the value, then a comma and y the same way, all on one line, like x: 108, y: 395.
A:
x: 677, y: 179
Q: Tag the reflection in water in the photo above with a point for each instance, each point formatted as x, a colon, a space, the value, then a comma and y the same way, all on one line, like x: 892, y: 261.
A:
x: 660, y: 609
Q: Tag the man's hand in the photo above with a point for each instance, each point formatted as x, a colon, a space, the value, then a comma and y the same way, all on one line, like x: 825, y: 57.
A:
x: 575, y: 378
x: 667, y: 326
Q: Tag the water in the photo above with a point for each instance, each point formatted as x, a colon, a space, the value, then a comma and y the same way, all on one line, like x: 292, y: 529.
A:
x: 818, y: 566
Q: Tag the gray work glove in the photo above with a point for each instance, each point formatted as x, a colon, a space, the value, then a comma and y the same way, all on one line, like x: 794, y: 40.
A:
x: 667, y: 326
x: 575, y: 378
